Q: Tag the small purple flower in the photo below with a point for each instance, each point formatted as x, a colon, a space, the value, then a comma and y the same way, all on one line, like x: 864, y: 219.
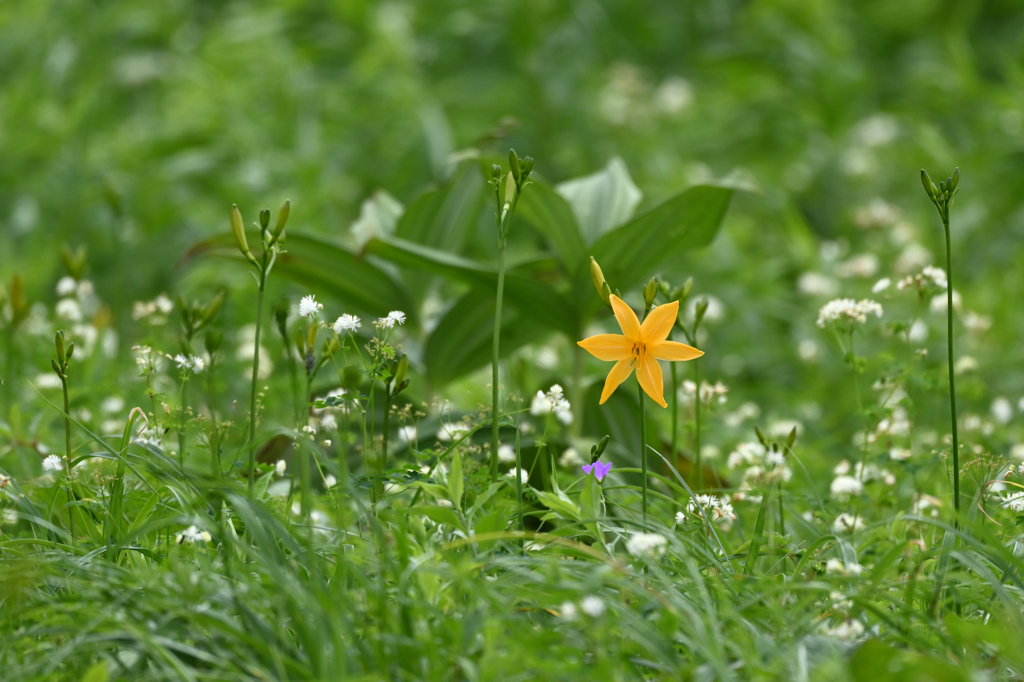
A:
x: 600, y: 470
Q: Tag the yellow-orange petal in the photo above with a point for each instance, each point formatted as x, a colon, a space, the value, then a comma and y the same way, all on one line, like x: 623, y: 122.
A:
x: 626, y: 317
x: 620, y: 372
x: 648, y: 373
x: 673, y: 350
x: 658, y: 324
x: 607, y: 347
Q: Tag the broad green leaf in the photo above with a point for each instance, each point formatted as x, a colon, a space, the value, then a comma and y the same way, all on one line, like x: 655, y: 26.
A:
x: 378, y: 216
x: 559, y: 504
x: 634, y: 252
x: 491, y: 523
x: 97, y: 673
x: 439, y: 515
x: 525, y: 293
x: 602, y: 200
x: 461, y: 341
x: 442, y: 219
x: 552, y: 218
x: 324, y: 266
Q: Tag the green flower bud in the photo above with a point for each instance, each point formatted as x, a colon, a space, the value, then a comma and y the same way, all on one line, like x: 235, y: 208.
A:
x: 650, y: 291
x: 955, y: 179
x: 598, y: 449
x: 58, y: 343
x: 527, y: 167
x: 56, y: 368
x: 71, y: 350
x: 698, y: 317
x: 281, y: 316
x: 238, y: 227
x: 513, y: 166
x: 265, y: 218
x: 402, y: 369
x: 282, y: 218
x: 602, y: 286
x: 760, y: 436
x: 402, y: 385
x: 495, y: 172
x: 926, y: 182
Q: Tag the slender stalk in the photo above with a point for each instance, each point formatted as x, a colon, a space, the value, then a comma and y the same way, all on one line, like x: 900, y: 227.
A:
x: 696, y: 423
x: 952, y: 382
x: 387, y: 419
x: 494, y: 359
x: 643, y: 447
x: 181, y: 425
x: 255, y: 376
x: 67, y: 457
x: 519, y: 485
x: 675, y: 415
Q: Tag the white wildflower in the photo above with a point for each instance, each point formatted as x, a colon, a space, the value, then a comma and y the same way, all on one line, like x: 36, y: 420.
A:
x: 965, y: 364
x: 847, y: 313
x: 593, y: 606
x: 53, y: 463
x: 66, y: 286
x: 308, y: 306
x: 1014, y: 502
x: 940, y: 303
x: 900, y: 454
x: 817, y: 284
x: 330, y: 481
x: 862, y: 265
x: 646, y: 545
x: 506, y: 453
x: 309, y: 432
x: 346, y: 323
x: 328, y: 422
x: 552, y: 402
x: 112, y: 405
x: 842, y: 468
x: 408, y: 434
x: 847, y: 523
x: 450, y: 432
x: 881, y: 285
x: 568, y: 611
x: 396, y: 317
x: 850, y: 629
x: 524, y: 476
x: 68, y: 309
x: 844, y: 486
x: 680, y: 517
x: 570, y: 459
x: 280, y: 467
x: 1002, y: 410
x: 192, y: 535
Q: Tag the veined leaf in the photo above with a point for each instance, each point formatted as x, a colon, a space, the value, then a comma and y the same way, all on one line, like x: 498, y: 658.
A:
x: 529, y: 295
x: 461, y: 342
x: 553, y: 218
x: 602, y: 200
x: 632, y: 253
x: 324, y: 266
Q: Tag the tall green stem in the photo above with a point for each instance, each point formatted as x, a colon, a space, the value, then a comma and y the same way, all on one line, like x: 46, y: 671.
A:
x: 643, y: 447
x: 519, y: 485
x: 67, y: 458
x: 494, y: 359
x: 696, y: 424
x: 675, y: 415
x: 255, y: 376
x: 952, y: 382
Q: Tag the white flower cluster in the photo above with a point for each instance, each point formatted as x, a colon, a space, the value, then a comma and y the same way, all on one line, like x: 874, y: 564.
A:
x: 708, y: 392
x: 280, y: 467
x: 929, y: 278
x: 154, y: 312
x: 452, y: 431
x: 570, y: 459
x: 309, y: 307
x: 346, y: 323
x: 851, y: 568
x: 843, y: 487
x: 393, y: 318
x: 593, y: 606
x: 309, y: 432
x: 718, y: 509
x: 552, y: 402
x: 53, y: 463
x: 192, y: 535
x: 77, y: 299
x: 847, y: 313
x: 847, y: 523
x: 524, y: 476
x: 189, y: 362
x: 849, y: 629
x: 762, y: 467
x: 647, y: 545
x: 1014, y: 502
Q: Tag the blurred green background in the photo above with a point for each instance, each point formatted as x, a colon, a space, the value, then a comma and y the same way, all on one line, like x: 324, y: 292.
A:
x: 131, y: 127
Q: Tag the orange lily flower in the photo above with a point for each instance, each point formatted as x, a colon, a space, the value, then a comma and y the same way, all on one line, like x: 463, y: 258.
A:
x: 639, y: 347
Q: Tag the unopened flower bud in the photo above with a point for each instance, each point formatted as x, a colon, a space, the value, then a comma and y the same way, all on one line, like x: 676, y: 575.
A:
x: 698, y: 317
x: 214, y: 339
x: 650, y: 291
x: 929, y: 186
x: 602, y: 286
x: 282, y: 218
x: 527, y: 167
x: 513, y: 166
x: 955, y: 179
x: 265, y: 218
x: 495, y: 172
x: 402, y: 369
x: 58, y: 343
x: 598, y: 449
x: 71, y: 350
x: 238, y: 227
